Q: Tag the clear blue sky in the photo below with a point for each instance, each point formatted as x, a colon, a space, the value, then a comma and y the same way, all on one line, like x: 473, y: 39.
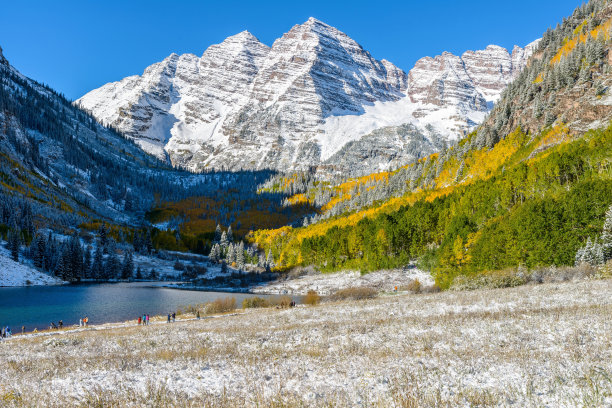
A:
x: 78, y: 45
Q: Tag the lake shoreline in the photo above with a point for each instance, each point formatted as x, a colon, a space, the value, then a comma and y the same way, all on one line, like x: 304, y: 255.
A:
x: 37, y: 307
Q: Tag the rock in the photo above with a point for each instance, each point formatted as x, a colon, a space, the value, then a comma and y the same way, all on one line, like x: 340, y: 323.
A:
x: 316, y: 97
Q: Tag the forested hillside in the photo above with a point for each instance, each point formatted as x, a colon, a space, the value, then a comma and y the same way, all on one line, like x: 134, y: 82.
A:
x: 529, y: 187
x: 77, y: 198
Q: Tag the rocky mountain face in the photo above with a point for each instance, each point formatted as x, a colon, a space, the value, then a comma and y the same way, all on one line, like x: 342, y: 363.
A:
x: 314, y: 96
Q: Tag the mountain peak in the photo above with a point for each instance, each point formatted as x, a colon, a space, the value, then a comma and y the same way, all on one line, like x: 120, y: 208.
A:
x: 243, y: 36
x: 2, y: 59
x: 312, y: 20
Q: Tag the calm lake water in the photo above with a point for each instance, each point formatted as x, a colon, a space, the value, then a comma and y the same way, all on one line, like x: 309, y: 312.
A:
x: 38, y: 306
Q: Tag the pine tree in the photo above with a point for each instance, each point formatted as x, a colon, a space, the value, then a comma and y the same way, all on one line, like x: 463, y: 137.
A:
x: 217, y: 233
x: 87, y: 262
x: 215, y: 253
x: 231, y: 254
x: 270, y: 259
x: 606, y: 236
x: 112, y: 266
x: 230, y: 235
x: 598, y: 254
x: 127, y: 270
x: 14, y: 242
x: 224, y: 241
x: 137, y: 242
x: 97, y: 267
x: 587, y: 256
x: 103, y: 234
x: 38, y: 251
x: 148, y: 243
x: 74, y: 254
x: 240, y: 255
x: 139, y: 273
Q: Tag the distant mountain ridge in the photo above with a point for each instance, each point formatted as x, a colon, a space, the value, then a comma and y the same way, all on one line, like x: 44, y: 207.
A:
x: 311, y: 95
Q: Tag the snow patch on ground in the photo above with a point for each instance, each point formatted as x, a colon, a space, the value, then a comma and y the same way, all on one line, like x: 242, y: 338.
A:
x: 17, y: 274
x: 328, y: 283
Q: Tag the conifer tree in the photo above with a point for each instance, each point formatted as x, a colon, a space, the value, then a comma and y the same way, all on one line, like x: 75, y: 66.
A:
x: 14, y: 242
x: 240, y: 255
x: 224, y: 241
x: 112, y: 266
x: 231, y: 254
x: 217, y: 234
x: 97, y: 266
x: 127, y: 270
x: 606, y: 236
x: 270, y: 259
x: 87, y: 262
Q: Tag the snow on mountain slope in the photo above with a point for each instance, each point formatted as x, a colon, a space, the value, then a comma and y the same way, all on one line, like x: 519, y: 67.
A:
x: 298, y: 103
x: 17, y: 274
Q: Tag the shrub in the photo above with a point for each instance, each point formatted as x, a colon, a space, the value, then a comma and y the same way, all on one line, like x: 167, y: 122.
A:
x: 223, y: 305
x: 358, y: 293
x: 431, y: 289
x: 605, y: 271
x: 506, y: 278
x: 191, y: 309
x: 414, y: 286
x: 254, y: 302
x: 281, y: 301
x: 312, y: 298
x: 179, y: 266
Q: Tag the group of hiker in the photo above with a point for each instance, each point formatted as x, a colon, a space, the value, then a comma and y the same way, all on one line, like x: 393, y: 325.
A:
x: 5, y: 332
x: 59, y: 325
x: 144, y: 320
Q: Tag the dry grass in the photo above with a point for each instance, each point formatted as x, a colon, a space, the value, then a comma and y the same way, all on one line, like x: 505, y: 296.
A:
x: 280, y: 301
x: 358, y: 293
x: 255, y: 302
x: 221, y: 305
x: 312, y: 298
x: 528, y: 346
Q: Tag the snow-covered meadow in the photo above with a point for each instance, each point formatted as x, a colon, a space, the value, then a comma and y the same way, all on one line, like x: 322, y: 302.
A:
x: 534, y: 345
x: 328, y: 283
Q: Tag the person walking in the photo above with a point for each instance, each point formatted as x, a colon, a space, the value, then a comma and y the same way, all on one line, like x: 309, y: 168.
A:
x: 139, y: 320
x: 173, y: 317
x: 168, y: 317
x: 22, y: 329
x: 147, y: 319
x: 86, y: 321
x: 81, y: 322
x: 198, y: 315
x: 61, y: 324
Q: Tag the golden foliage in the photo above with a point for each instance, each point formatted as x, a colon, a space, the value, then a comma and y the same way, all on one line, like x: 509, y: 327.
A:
x: 580, y: 37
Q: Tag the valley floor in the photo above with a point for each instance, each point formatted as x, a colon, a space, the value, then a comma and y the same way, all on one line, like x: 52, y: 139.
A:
x: 328, y: 283
x: 535, y: 345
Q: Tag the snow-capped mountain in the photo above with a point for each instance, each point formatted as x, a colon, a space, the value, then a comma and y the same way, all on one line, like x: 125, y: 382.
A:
x: 314, y: 94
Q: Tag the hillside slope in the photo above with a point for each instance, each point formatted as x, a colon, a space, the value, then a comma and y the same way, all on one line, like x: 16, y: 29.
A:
x: 504, y: 196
